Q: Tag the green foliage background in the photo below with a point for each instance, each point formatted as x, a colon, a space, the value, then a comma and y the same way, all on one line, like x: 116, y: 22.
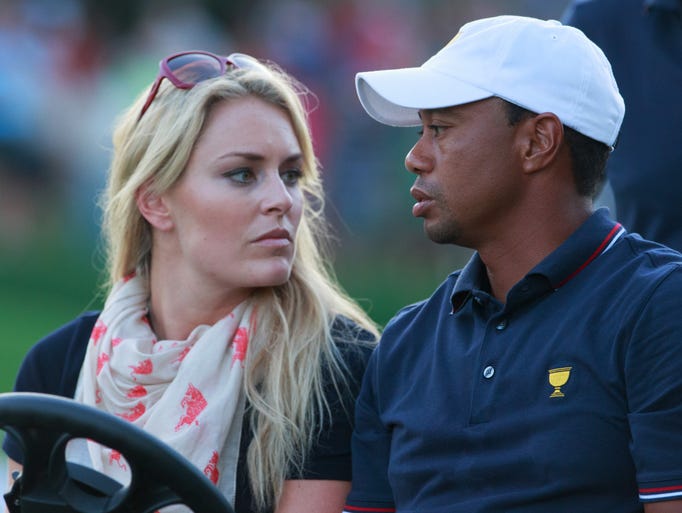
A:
x: 53, y: 279
x: 41, y: 287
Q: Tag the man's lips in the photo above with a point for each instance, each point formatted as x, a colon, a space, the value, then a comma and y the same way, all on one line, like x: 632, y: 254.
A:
x: 424, y: 201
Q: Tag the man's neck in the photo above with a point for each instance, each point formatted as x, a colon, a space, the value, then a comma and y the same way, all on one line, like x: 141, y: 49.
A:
x: 511, y: 256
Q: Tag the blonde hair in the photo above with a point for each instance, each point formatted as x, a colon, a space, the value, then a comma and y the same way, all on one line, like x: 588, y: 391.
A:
x: 294, y: 353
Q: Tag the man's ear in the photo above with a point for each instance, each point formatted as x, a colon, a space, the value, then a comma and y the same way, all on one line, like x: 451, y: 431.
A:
x: 153, y: 208
x: 544, y: 136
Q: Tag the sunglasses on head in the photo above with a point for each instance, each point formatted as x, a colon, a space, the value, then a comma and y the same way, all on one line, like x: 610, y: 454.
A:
x: 187, y: 69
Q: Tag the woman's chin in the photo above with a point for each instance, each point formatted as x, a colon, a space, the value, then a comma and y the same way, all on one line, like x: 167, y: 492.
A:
x: 273, y: 276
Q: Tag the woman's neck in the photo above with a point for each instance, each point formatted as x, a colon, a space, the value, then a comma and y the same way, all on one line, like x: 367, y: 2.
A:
x: 178, y: 305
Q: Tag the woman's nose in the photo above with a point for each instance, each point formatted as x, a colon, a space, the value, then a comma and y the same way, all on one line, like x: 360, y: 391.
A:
x: 276, y: 195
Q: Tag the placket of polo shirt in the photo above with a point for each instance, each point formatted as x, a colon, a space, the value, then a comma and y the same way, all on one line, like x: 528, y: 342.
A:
x: 497, y: 341
x: 492, y: 323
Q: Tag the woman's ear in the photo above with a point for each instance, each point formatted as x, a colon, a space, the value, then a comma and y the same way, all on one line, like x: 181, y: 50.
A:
x: 153, y: 208
x: 544, y: 136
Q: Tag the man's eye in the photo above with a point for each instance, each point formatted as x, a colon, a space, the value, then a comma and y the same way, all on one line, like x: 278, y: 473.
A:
x: 435, y: 129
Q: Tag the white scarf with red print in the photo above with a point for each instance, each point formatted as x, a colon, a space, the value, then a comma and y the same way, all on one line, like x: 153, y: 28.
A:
x: 188, y: 393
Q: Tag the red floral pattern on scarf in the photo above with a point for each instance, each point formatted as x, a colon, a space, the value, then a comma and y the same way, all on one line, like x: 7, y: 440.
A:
x: 186, y: 392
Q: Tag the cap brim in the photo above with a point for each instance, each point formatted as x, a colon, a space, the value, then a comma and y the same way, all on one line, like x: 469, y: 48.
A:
x: 394, y: 97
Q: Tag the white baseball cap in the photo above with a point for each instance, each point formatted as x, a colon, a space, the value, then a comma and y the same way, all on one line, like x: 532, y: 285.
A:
x: 542, y: 66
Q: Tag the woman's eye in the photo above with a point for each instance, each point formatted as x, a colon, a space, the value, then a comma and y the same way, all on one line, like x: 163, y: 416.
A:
x: 292, y: 176
x: 243, y: 175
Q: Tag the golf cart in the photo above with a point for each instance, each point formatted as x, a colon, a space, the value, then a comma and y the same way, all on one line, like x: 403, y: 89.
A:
x: 43, y: 424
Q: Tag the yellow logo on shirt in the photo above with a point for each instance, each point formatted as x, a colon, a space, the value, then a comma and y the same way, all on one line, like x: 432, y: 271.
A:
x: 557, y: 378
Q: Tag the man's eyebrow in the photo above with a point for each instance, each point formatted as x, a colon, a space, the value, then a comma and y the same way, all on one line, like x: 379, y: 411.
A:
x: 441, y: 111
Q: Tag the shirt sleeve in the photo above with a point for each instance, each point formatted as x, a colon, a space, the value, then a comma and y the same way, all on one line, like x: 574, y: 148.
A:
x: 371, y: 442
x: 653, y: 364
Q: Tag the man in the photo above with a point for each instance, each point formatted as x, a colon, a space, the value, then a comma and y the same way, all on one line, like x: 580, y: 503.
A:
x: 547, y: 374
x: 643, y: 41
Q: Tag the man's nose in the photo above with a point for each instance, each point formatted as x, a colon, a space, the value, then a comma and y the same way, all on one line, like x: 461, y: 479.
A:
x: 418, y: 160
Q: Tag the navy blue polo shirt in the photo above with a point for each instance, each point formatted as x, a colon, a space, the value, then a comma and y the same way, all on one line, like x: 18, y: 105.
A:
x: 643, y: 42
x: 567, y: 398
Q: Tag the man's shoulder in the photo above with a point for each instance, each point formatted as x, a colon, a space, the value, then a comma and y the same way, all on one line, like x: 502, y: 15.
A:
x: 651, y: 256
x: 424, y: 313
x: 583, y: 10
x: 641, y: 271
x: 608, y: 23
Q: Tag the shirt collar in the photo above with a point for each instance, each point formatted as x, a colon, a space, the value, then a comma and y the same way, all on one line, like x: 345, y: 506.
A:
x: 594, y: 237
x: 473, y: 277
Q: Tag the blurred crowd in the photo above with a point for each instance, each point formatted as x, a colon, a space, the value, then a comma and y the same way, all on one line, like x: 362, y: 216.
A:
x: 69, y: 66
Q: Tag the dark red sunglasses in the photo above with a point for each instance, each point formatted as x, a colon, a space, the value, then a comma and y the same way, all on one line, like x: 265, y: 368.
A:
x: 187, y: 69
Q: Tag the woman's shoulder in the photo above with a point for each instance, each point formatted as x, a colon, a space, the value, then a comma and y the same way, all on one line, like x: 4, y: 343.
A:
x: 70, y: 336
x: 354, y: 342
x: 52, y: 365
x: 347, y: 330
x: 353, y: 346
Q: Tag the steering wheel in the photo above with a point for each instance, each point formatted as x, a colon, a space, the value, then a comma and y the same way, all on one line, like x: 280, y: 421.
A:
x: 43, y: 424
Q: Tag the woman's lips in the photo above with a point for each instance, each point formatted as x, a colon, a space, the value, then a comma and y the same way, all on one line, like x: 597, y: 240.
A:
x: 274, y: 238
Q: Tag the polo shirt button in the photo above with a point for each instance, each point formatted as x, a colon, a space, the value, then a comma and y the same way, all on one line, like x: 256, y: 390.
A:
x: 489, y: 372
x: 502, y: 325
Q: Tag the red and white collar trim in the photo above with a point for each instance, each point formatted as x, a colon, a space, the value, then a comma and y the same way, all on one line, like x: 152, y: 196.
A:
x: 616, y: 233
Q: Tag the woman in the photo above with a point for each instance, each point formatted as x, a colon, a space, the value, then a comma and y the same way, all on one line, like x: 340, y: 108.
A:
x: 223, y: 332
